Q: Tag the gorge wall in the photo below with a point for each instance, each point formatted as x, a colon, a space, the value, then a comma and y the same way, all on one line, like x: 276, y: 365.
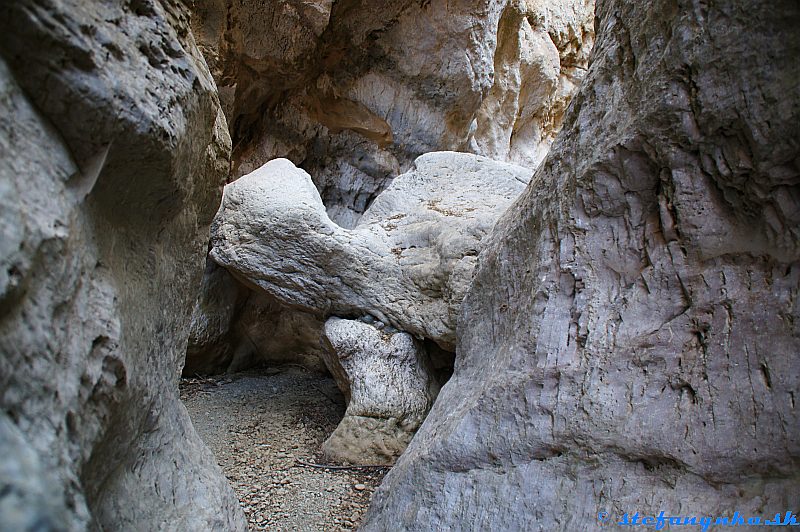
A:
x: 353, y: 92
x: 630, y: 341
x: 627, y: 332
x: 113, y: 150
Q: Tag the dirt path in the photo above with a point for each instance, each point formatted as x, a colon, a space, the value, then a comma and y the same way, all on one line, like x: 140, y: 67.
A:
x: 258, y: 423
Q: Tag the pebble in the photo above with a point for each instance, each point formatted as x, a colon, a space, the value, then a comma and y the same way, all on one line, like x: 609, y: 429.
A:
x: 360, y: 487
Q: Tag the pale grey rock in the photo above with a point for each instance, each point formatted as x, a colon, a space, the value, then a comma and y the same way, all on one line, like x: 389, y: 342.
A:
x: 409, y: 260
x: 113, y: 149
x: 30, y: 498
x: 630, y: 341
x: 540, y: 59
x: 354, y: 91
x: 389, y: 386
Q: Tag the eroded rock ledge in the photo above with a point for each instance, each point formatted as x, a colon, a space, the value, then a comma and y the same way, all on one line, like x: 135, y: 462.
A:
x: 353, y: 92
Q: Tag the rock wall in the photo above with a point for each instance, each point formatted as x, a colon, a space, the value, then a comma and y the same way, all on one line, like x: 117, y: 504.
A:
x: 630, y: 342
x: 113, y: 150
x: 354, y: 91
x: 234, y: 327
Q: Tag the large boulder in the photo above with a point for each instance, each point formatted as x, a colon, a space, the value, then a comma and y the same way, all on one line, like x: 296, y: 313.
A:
x: 389, y: 385
x: 113, y: 150
x: 408, y: 262
x: 630, y: 342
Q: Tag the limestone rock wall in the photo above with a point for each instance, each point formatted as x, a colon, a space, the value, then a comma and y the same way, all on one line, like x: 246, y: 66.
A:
x: 631, y: 342
x: 354, y: 91
x: 113, y: 149
x: 235, y: 327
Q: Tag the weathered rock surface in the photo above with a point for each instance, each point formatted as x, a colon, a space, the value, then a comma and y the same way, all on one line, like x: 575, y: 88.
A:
x: 540, y: 59
x: 354, y: 91
x: 234, y: 327
x: 112, y: 152
x: 389, y: 385
x: 408, y: 262
x: 630, y: 341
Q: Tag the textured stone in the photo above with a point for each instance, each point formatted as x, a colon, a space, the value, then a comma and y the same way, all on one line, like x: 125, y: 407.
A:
x: 354, y: 91
x: 630, y: 341
x: 235, y: 327
x: 408, y: 262
x: 113, y: 149
x: 541, y: 56
x: 386, y: 378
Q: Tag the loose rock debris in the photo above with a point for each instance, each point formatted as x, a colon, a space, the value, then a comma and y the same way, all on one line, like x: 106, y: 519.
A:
x: 265, y: 428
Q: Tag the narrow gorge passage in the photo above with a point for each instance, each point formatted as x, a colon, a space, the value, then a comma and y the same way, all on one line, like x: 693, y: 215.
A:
x: 258, y: 423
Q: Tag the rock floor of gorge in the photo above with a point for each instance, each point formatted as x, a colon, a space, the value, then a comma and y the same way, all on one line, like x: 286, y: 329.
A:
x: 259, y: 423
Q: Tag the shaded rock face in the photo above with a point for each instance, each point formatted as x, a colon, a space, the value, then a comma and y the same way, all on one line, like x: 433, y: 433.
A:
x: 113, y: 149
x: 630, y: 341
x: 408, y: 262
x: 234, y: 327
x: 389, y: 386
x: 354, y: 91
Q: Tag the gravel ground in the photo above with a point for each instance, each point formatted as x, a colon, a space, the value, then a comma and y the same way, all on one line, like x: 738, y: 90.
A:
x: 259, y: 424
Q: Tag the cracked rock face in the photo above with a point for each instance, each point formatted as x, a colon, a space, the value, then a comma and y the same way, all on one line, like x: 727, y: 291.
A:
x: 630, y: 341
x: 113, y: 149
x: 387, y: 380
x: 408, y: 262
